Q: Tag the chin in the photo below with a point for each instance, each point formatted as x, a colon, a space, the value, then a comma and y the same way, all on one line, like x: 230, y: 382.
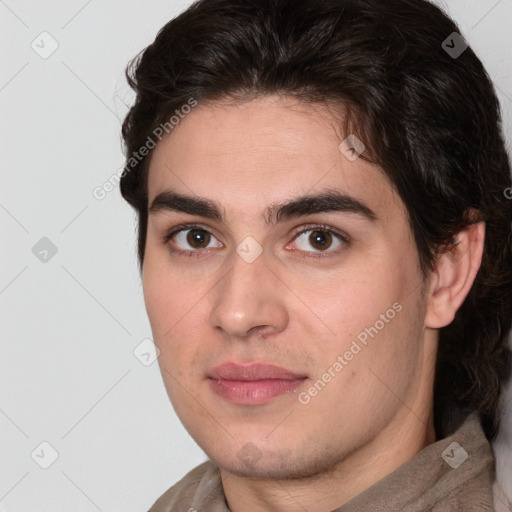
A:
x: 252, y: 462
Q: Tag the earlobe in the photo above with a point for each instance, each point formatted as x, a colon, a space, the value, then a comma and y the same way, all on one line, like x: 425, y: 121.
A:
x: 454, y: 275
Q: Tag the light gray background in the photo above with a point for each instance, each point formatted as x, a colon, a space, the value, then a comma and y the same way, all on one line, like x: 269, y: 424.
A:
x: 68, y: 374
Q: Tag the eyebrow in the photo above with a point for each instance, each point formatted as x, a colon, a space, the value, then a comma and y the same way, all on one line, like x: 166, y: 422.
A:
x: 324, y: 202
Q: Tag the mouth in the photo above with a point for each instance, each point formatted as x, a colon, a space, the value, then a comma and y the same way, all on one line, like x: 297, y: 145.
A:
x: 252, y: 384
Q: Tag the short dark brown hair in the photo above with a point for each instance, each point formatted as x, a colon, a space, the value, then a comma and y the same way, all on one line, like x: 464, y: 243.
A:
x: 429, y: 118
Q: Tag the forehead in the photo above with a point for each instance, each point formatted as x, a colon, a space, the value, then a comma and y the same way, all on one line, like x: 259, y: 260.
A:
x: 248, y: 156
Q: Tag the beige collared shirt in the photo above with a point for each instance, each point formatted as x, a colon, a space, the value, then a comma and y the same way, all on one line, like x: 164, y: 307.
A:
x: 443, y: 477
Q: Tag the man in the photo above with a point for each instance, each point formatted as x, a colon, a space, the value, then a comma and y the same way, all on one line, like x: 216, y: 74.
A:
x: 324, y: 240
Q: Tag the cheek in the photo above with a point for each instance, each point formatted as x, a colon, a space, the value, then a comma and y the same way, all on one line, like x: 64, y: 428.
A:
x: 349, y: 303
x: 164, y: 300
x: 173, y: 312
x: 158, y: 302
x: 369, y: 313
x: 164, y: 295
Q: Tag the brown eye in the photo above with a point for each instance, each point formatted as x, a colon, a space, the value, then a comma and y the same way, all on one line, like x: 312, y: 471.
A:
x: 320, y: 240
x: 193, y: 239
x: 198, y: 238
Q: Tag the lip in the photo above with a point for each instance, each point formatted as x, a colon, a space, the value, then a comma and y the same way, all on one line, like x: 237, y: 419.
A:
x: 252, y: 372
x: 253, y: 383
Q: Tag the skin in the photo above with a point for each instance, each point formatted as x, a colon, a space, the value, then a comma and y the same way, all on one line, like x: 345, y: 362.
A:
x: 293, y: 309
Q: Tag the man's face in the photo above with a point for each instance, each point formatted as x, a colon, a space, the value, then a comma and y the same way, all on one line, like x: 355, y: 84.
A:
x: 345, y: 318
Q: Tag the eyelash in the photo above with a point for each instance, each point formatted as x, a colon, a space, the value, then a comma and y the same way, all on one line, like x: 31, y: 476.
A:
x: 309, y: 227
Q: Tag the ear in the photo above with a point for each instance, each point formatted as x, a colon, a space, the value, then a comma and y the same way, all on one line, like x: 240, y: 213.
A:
x: 454, y: 275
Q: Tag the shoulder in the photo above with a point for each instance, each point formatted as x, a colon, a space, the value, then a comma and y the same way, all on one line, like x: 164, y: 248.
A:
x: 467, y: 472
x: 201, y: 484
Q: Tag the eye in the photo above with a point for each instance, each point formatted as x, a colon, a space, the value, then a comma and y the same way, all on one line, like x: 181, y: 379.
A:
x: 320, y: 238
x: 193, y: 239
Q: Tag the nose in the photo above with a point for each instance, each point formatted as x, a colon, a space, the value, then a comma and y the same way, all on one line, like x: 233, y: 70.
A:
x: 249, y: 301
